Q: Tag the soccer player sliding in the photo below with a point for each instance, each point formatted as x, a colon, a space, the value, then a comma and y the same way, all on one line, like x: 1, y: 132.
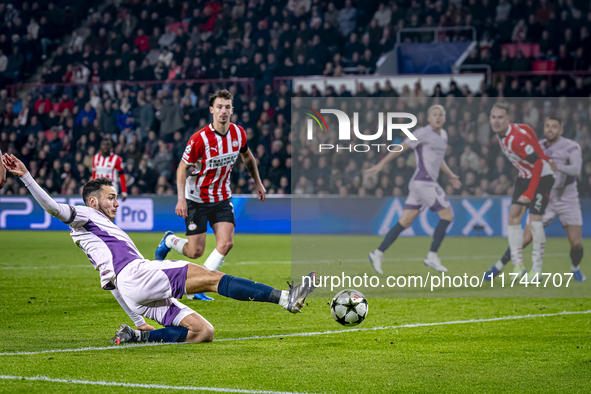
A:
x: 424, y: 191
x: 532, y: 187
x: 148, y: 288
x: 203, y: 187
x: 566, y: 160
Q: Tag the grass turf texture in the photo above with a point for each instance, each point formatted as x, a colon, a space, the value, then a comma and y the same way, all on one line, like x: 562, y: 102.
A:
x: 45, y: 308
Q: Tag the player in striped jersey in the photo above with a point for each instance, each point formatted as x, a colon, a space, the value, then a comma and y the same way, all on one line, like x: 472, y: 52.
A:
x: 109, y: 165
x: 566, y: 161
x: 532, y: 186
x: 203, y: 184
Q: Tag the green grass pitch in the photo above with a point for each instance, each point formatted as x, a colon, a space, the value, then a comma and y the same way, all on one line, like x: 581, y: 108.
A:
x: 50, y: 298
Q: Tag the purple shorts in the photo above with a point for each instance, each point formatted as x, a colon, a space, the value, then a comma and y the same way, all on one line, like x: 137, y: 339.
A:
x: 422, y: 194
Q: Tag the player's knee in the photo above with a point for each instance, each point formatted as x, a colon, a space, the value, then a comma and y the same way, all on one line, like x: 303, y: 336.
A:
x: 446, y: 215
x: 226, y: 246
x: 207, y: 333
x: 405, y: 222
x: 195, y: 252
x: 202, y: 334
x: 576, y: 244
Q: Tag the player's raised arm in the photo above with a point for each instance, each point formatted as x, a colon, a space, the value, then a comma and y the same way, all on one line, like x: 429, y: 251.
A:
x: 251, y: 165
x: 2, y: 173
x: 389, y: 157
x: 455, y: 179
x: 16, y: 167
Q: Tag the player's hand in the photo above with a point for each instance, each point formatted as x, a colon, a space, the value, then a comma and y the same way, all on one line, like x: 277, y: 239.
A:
x: 260, y: 191
x: 523, y: 200
x: 375, y: 169
x: 123, y: 196
x: 456, y: 183
x: 14, y: 165
x: 145, y: 327
x: 181, y: 208
x: 553, y: 165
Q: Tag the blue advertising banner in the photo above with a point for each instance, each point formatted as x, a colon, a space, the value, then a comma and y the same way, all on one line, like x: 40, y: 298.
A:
x: 472, y: 217
x: 150, y: 214
x: 297, y: 215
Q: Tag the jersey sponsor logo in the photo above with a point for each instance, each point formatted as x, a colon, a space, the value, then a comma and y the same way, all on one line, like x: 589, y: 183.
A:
x: 214, y: 148
x: 221, y: 160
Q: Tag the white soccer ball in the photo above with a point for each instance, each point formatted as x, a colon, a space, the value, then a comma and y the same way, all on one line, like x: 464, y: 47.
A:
x: 349, y: 307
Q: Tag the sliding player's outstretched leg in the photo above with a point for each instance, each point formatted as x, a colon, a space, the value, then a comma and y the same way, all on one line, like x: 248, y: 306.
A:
x: 147, y: 281
x: 200, y: 279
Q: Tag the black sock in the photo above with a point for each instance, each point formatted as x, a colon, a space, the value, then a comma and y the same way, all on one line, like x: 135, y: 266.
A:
x: 391, y: 237
x: 246, y: 290
x: 576, y: 255
x: 506, y: 257
x: 439, y: 234
x: 167, y: 334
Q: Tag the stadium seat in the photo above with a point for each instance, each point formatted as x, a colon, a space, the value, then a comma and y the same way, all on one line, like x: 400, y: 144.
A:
x: 544, y: 65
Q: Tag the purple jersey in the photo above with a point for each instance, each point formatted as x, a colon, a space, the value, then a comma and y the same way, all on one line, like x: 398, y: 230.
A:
x: 568, y: 157
x: 108, y: 247
x: 429, y: 149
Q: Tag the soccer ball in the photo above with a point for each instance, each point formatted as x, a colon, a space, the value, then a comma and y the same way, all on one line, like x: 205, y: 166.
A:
x: 349, y: 307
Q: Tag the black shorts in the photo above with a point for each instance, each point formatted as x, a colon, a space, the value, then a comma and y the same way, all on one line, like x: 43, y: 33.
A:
x: 538, y: 205
x: 198, y: 214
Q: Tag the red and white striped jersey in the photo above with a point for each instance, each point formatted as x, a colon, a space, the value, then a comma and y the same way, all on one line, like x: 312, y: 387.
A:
x: 212, y: 156
x: 520, y: 145
x: 109, y: 167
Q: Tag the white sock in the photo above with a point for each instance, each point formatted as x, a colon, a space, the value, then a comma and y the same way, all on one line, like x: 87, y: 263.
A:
x: 499, y: 265
x: 573, y: 268
x: 516, y: 244
x: 378, y: 253
x: 431, y: 255
x: 214, y: 261
x: 283, y: 300
x: 176, y: 243
x: 539, y: 244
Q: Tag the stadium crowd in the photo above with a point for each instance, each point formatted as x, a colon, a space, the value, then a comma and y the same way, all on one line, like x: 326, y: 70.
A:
x: 57, y: 129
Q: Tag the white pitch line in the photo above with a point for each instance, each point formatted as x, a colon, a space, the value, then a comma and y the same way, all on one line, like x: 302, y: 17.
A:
x: 144, y: 386
x: 305, y: 334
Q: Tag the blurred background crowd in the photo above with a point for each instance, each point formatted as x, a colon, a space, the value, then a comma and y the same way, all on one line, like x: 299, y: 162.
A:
x: 136, y: 72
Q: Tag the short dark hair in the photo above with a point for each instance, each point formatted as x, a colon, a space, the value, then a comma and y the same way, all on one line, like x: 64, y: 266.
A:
x: 554, y: 118
x: 220, y: 93
x: 92, y: 187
